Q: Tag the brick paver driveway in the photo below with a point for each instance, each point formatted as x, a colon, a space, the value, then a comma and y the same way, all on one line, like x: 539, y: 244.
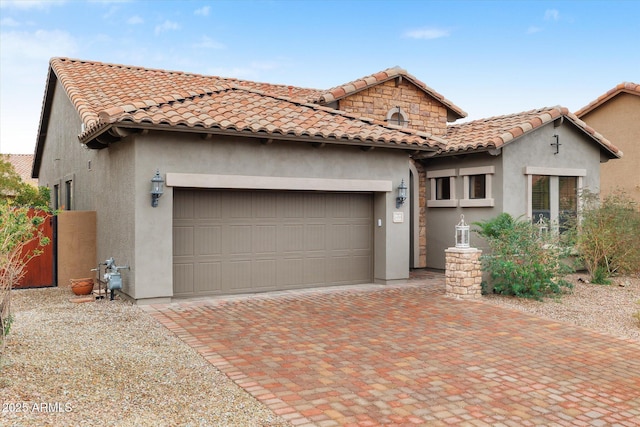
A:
x: 409, y: 355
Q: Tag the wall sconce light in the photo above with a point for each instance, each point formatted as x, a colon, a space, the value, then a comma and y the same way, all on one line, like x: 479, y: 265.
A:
x: 462, y: 234
x: 157, y: 185
x: 402, y: 194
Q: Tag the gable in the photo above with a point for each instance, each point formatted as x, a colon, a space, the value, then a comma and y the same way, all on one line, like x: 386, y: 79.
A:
x: 603, y: 100
x: 423, y: 112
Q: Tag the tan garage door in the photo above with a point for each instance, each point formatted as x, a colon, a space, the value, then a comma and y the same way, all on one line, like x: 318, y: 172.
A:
x: 228, y: 242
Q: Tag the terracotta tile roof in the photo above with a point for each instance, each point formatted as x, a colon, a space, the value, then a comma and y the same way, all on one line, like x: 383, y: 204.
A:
x: 626, y: 87
x: 108, y: 94
x: 494, y: 132
x: 350, y: 88
x: 22, y: 164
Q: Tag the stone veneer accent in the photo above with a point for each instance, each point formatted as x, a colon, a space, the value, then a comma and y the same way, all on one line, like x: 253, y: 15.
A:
x: 463, y: 274
x: 425, y: 113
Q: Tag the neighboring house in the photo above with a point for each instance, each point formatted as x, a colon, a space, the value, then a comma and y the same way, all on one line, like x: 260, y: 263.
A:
x: 530, y: 164
x: 271, y: 187
x: 617, y: 115
x: 23, y: 165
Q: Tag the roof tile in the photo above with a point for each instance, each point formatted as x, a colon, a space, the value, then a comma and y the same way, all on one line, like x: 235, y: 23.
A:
x: 494, y: 132
x: 625, y: 87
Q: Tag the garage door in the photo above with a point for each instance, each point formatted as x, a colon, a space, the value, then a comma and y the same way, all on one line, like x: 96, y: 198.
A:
x: 229, y: 242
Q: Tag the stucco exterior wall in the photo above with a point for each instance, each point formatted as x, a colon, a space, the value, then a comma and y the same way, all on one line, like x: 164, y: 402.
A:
x: 424, y: 113
x: 101, y: 182
x: 576, y: 151
x: 441, y: 221
x: 618, y: 119
x: 184, y: 153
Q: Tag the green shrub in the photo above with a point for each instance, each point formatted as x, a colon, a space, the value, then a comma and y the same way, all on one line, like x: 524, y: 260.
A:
x: 607, y: 235
x: 521, y: 262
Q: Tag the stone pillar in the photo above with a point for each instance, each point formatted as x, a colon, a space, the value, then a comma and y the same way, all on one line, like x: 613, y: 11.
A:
x: 463, y: 274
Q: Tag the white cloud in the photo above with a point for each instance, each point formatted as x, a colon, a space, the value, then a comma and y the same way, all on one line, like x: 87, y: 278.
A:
x: 166, y: 26
x: 134, y: 20
x: 208, y: 43
x: 203, y: 11
x: 551, y: 15
x: 533, y: 29
x: 9, y: 22
x: 427, y: 33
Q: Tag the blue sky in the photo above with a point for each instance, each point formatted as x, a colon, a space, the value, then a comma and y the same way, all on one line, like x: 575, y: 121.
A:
x: 487, y: 57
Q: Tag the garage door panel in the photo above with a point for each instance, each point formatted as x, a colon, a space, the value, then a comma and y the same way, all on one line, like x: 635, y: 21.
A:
x: 237, y: 205
x: 182, y: 278
x: 264, y: 239
x: 314, y: 237
x: 208, y: 240
x: 229, y: 242
x: 360, y: 236
x: 207, y: 277
x: 264, y: 205
x: 239, y: 239
x: 339, y: 237
x: 236, y: 276
x: 265, y: 274
x: 183, y: 241
x: 291, y: 238
x: 208, y: 207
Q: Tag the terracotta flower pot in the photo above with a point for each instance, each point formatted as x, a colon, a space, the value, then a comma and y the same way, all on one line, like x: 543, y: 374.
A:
x: 82, y: 286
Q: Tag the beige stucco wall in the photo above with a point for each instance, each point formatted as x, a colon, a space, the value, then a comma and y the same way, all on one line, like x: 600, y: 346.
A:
x: 76, y: 245
x: 618, y: 119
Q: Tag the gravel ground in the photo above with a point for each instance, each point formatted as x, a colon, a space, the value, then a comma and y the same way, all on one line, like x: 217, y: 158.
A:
x: 608, y: 309
x: 109, y: 364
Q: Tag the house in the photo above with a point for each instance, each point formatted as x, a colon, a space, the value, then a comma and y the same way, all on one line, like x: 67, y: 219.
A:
x: 22, y: 164
x: 616, y: 114
x: 531, y: 164
x: 266, y: 186
x: 274, y: 187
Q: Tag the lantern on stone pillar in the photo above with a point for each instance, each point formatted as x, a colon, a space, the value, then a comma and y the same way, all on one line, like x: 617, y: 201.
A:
x: 462, y: 234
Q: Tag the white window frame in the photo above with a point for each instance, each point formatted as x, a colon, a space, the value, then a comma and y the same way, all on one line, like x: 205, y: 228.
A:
x: 401, y: 113
x: 488, y: 201
x: 554, y: 173
x: 452, y: 202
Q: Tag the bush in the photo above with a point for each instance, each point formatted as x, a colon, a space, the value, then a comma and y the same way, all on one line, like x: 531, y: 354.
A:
x: 17, y: 228
x: 522, y: 262
x: 607, y: 235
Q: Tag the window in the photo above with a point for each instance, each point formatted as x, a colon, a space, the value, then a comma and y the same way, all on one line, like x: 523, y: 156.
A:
x: 56, y: 197
x: 477, y: 190
x: 68, y: 198
x: 553, y: 193
x: 477, y: 186
x: 442, y: 188
x: 396, y: 116
x: 540, y: 200
x: 68, y: 192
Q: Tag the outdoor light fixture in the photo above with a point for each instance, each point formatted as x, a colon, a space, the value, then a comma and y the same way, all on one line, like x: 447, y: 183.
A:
x: 462, y: 234
x: 402, y: 194
x: 543, y: 228
x: 157, y: 184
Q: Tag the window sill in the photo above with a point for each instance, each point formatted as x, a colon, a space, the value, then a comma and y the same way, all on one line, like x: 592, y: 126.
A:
x: 477, y: 203
x: 442, y: 203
